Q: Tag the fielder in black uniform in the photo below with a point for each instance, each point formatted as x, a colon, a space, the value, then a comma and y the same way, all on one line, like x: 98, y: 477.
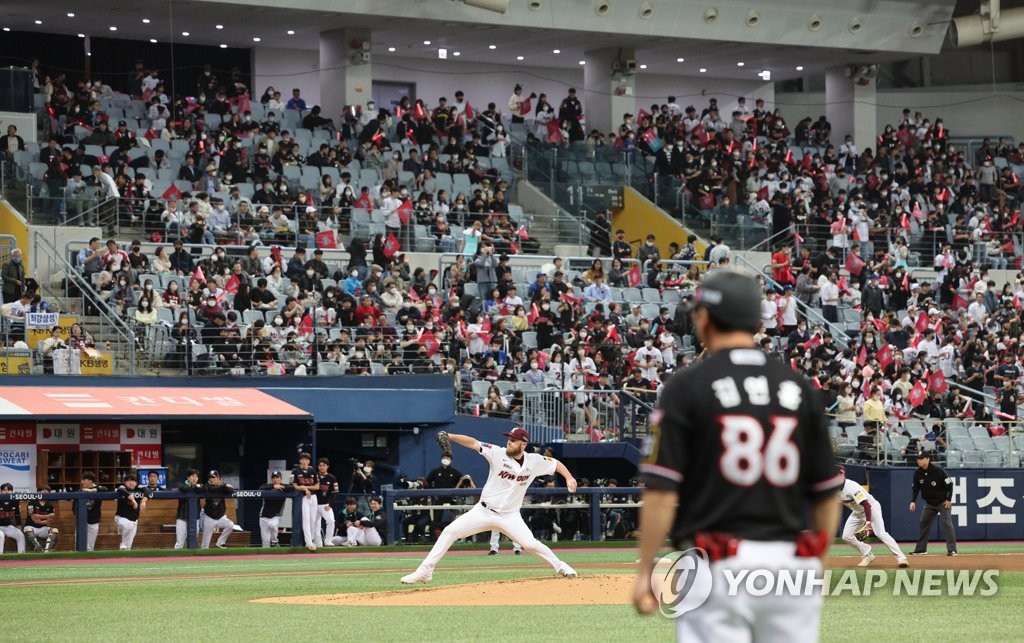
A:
x: 38, y: 520
x: 93, y: 509
x: 215, y: 509
x: 191, y: 485
x: 327, y: 488
x: 270, y: 512
x: 737, y: 459
x: 131, y: 502
x: 10, y: 520
x: 937, y: 490
x: 304, y: 479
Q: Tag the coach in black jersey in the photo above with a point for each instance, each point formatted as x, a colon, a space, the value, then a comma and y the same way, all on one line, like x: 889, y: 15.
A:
x: 93, y: 509
x: 738, y: 458
x: 10, y: 520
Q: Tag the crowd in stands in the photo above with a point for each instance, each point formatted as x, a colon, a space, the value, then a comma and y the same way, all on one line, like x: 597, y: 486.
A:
x: 849, y: 229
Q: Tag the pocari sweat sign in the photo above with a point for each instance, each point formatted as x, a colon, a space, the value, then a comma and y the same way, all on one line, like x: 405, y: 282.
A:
x: 18, y: 465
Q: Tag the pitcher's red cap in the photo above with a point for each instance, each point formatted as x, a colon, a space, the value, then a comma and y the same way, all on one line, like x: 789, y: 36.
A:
x: 518, y: 433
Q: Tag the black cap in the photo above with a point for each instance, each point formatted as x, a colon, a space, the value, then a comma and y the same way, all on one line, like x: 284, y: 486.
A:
x: 213, y: 474
x: 732, y: 299
x: 122, y: 123
x: 276, y: 474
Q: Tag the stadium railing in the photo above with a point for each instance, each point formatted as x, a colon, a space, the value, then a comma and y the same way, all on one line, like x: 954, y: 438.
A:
x: 595, y: 502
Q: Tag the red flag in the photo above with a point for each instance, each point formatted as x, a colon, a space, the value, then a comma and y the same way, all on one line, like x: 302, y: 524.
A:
x: 378, y: 137
x: 862, y: 357
x: 969, y: 409
x: 391, y: 246
x: 885, y: 357
x: 171, y: 193
x: 429, y: 343
x: 922, y: 322
x: 806, y: 161
x: 904, y: 222
x: 306, y: 324
x: 938, y: 329
x: 634, y: 276
x: 525, y: 107
x: 571, y: 299
x: 554, y: 132
x: 470, y: 114
x: 198, y: 274
x: 906, y: 282
x: 813, y: 342
x: 232, y: 285
x: 854, y: 264
x: 533, y: 314
x: 789, y: 157
x: 364, y: 202
x: 521, y: 232
x: 879, y: 325
x: 937, y: 382
x: 413, y: 295
x: 405, y: 211
x: 959, y: 301
x: 398, y: 112
x: 917, y: 394
x: 916, y: 211
x: 326, y: 239
x: 642, y: 114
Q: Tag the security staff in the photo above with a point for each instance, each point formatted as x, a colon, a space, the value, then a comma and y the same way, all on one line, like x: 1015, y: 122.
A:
x: 937, y: 490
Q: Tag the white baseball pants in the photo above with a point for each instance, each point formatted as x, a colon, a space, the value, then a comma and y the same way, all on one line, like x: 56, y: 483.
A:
x: 268, y: 530
x: 325, y: 513
x: 15, y: 534
x: 39, y: 533
x: 744, y: 617
x: 496, y: 538
x: 209, y: 524
x: 180, y: 534
x: 310, y: 519
x: 857, y: 520
x: 364, y: 536
x: 479, y: 519
x: 126, y: 528
x: 91, y: 531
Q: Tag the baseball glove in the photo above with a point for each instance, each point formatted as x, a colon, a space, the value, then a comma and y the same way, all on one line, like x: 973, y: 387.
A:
x: 863, y: 533
x: 444, y: 441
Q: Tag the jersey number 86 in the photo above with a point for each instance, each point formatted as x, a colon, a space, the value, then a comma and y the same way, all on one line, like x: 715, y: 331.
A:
x: 746, y: 458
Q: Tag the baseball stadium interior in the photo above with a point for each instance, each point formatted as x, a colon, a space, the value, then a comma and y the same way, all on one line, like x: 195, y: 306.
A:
x: 232, y: 233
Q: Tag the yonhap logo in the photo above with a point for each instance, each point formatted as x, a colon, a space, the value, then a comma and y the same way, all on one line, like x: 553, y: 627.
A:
x: 681, y: 581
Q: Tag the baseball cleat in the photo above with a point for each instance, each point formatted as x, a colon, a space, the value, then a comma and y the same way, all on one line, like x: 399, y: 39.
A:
x: 565, y: 571
x: 902, y: 562
x: 220, y: 546
x: 311, y: 547
x: 952, y: 553
x: 493, y: 552
x: 866, y: 560
x: 518, y: 552
x: 918, y: 553
x: 416, y: 577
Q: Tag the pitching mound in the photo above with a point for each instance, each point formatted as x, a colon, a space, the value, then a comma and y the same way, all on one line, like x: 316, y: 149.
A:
x: 599, y: 589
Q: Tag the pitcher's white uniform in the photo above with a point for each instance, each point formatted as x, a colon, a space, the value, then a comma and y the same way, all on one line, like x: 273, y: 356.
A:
x: 853, y: 495
x: 500, y: 501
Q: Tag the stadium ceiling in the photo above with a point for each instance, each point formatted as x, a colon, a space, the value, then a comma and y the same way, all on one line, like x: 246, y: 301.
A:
x: 715, y: 35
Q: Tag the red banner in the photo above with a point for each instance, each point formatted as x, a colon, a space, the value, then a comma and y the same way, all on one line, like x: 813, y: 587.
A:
x: 326, y: 239
x: 391, y: 246
x: 634, y: 276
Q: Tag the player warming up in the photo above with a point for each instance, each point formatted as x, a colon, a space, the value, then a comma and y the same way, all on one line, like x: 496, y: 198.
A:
x: 738, y: 463
x: 865, y: 520
x: 511, y: 472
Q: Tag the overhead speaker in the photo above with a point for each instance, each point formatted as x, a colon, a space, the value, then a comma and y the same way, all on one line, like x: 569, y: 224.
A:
x: 602, y: 7
x: 855, y: 25
x: 646, y: 10
x: 753, y: 18
x: 814, y: 22
x: 916, y: 30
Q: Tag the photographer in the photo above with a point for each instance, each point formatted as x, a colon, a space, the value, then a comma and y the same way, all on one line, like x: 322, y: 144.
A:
x: 363, y: 482
x: 415, y: 523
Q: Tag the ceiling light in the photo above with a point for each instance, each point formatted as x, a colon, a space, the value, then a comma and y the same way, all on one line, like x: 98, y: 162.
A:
x: 703, y: 70
x: 223, y: 46
x: 113, y: 28
x: 583, y: 62
x: 442, y: 53
x: 145, y: 21
x: 184, y: 33
x: 291, y: 32
x: 81, y: 35
x: 556, y: 51
x: 391, y: 49
x: 153, y: 40
x: 679, y: 60
x: 740, y: 64
x: 7, y: 28
x: 519, y: 57
x: 456, y: 53
x: 643, y: 66
x: 71, y: 15
x: 765, y: 75
x: 799, y: 67
x: 39, y: 22
x: 256, y: 39
x: 219, y: 26
x: 492, y: 46
x: 426, y: 42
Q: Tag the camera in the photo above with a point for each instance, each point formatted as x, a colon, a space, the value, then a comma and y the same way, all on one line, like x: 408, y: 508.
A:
x: 405, y: 483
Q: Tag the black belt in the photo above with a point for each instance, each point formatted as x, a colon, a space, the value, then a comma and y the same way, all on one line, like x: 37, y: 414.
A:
x: 484, y: 505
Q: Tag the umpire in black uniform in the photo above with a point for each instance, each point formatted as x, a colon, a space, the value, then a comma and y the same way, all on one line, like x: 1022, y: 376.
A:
x: 936, y: 489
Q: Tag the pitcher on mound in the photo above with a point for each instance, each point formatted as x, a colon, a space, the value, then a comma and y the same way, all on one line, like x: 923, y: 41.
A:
x: 511, y: 472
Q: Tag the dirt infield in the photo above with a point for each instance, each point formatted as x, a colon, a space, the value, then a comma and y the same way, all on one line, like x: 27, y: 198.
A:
x: 599, y: 589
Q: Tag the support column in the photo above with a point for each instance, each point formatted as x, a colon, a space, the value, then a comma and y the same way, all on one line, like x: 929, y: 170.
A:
x: 345, y: 77
x: 608, y: 95
x: 851, y: 107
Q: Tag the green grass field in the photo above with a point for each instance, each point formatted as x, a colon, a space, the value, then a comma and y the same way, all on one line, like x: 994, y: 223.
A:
x: 208, y: 598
